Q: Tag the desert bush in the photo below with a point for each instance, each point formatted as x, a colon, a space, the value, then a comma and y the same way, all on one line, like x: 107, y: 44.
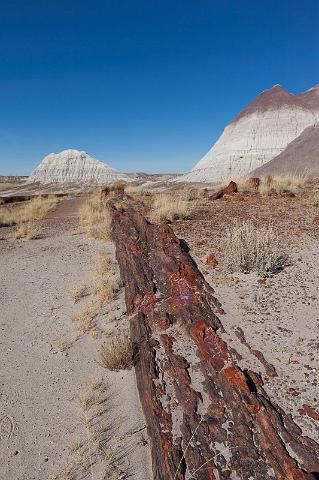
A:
x: 116, y: 354
x: 137, y: 190
x: 119, y: 186
x: 95, y: 217
x: 280, y: 183
x: 169, y: 206
x: 251, y: 249
x: 26, y: 230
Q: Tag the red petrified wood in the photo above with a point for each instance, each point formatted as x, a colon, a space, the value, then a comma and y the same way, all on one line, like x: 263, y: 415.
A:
x: 207, y: 419
x: 229, y: 190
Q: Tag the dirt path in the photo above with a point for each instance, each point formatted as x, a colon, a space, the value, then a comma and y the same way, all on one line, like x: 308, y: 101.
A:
x: 40, y: 382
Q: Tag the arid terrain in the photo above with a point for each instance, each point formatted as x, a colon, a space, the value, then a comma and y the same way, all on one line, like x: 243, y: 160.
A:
x: 69, y: 404
x: 50, y: 369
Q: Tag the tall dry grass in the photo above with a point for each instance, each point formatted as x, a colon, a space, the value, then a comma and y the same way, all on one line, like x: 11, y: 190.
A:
x: 26, y: 230
x: 116, y: 353
x: 269, y: 184
x: 95, y: 217
x: 251, y: 249
x: 36, y: 208
x: 281, y: 183
x: 138, y: 190
x: 103, y: 291
x: 169, y: 206
x: 107, y: 279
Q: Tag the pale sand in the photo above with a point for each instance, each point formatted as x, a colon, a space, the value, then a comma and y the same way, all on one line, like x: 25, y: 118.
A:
x: 280, y: 319
x: 39, y: 383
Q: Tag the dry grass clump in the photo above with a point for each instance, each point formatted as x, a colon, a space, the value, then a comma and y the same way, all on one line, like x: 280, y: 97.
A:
x: 107, y: 279
x: 26, y: 230
x: 251, y: 249
x: 279, y: 184
x: 78, y: 292
x: 84, y: 320
x: 244, y: 185
x: 106, y: 285
x: 116, y: 354
x: 190, y: 194
x: 169, y: 206
x: 137, y: 190
x: 118, y: 186
x: 95, y: 217
x: 36, y: 208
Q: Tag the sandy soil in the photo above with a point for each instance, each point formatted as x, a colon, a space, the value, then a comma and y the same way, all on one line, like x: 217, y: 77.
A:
x: 43, y: 371
x: 278, y: 315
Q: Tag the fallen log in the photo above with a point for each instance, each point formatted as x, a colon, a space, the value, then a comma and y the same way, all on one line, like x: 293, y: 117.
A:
x: 206, y: 417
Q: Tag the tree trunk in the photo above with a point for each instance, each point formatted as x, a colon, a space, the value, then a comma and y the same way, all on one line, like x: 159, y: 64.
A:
x: 206, y: 417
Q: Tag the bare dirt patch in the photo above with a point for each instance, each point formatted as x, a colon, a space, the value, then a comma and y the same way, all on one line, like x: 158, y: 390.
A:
x: 44, y: 371
x: 278, y: 314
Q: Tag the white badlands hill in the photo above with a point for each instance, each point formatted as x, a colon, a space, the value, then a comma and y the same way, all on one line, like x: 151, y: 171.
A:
x: 74, y: 166
x: 260, y: 132
x: 301, y: 156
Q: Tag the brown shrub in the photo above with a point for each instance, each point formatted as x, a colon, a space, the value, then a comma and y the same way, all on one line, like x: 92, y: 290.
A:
x: 116, y: 354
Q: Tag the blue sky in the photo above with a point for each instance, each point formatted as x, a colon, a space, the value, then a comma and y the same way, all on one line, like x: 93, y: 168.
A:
x: 144, y: 85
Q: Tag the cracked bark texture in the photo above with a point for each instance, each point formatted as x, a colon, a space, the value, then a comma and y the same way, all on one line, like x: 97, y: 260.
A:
x: 206, y: 417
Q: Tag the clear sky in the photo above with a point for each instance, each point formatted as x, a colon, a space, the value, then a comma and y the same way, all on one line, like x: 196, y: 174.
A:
x: 146, y: 85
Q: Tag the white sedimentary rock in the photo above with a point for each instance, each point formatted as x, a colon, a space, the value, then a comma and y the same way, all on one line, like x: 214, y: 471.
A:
x: 301, y: 156
x: 74, y: 166
x: 260, y: 132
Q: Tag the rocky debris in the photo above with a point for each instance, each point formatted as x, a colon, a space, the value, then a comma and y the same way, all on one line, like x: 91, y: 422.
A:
x: 260, y: 132
x: 211, y: 260
x: 287, y: 193
x: 205, y: 415
x: 229, y: 190
x: 75, y: 166
x: 310, y: 412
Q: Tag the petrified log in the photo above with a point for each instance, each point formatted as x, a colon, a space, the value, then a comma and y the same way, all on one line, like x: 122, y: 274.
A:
x: 206, y: 417
x: 230, y: 189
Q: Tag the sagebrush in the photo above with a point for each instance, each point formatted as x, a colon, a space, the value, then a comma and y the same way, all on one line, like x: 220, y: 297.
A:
x: 116, y: 353
x: 253, y: 249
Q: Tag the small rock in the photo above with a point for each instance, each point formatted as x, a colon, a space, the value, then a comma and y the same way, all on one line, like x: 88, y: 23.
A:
x: 310, y: 412
x: 288, y: 193
x: 231, y: 188
x: 254, y: 182
x: 211, y: 260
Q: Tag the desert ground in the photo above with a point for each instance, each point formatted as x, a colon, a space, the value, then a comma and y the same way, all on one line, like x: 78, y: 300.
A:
x: 50, y: 370
x: 67, y: 410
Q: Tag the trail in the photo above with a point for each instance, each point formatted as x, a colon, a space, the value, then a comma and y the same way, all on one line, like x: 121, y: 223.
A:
x: 39, y: 382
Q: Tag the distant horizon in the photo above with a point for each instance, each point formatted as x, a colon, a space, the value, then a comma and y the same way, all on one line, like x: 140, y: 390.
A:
x: 142, y: 87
